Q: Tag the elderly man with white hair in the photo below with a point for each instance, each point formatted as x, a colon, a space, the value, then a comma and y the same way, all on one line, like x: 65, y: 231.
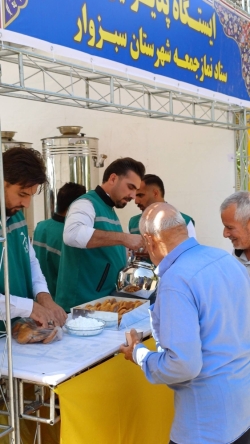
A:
x: 200, y: 322
x: 235, y: 215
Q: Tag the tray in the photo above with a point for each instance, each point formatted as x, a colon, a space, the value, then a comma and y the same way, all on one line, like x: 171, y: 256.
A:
x: 111, y: 319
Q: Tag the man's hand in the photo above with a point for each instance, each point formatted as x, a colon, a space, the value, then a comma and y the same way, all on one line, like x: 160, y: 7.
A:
x: 41, y: 315
x: 128, y: 349
x: 57, y: 315
x: 133, y: 241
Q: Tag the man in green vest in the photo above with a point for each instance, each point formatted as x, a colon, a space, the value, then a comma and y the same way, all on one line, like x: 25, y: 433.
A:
x: 95, y: 249
x: 152, y: 191
x: 48, y: 235
x: 24, y: 175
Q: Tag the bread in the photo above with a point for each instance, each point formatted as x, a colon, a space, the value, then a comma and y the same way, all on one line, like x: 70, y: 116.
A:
x: 26, y: 331
x: 114, y: 306
x: 51, y: 336
x: 131, y: 288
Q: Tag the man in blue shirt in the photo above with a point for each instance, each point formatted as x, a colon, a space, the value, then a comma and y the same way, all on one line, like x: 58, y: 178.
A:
x: 200, y: 322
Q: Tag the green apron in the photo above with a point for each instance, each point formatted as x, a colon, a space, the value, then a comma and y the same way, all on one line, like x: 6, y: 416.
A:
x: 47, y: 242
x: 89, y: 274
x: 20, y: 281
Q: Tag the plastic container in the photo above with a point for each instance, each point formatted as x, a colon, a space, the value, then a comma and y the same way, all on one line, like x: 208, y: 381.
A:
x: 85, y: 331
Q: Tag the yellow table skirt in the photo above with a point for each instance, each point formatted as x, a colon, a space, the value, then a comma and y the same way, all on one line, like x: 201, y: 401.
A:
x: 113, y: 403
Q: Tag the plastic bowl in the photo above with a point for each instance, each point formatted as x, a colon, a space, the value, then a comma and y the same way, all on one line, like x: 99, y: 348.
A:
x: 89, y: 331
x: 69, y: 130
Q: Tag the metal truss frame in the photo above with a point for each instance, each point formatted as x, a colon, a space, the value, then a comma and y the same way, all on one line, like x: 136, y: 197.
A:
x: 37, y: 77
x: 41, y: 78
x: 242, y: 4
x: 242, y: 150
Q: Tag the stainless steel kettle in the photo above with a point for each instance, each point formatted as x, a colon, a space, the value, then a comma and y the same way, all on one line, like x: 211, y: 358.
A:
x: 138, y: 278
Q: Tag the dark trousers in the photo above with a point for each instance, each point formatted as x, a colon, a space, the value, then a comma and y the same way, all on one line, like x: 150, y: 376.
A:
x: 244, y: 439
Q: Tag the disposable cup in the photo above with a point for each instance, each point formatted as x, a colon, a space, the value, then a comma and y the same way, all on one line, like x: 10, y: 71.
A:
x: 128, y: 336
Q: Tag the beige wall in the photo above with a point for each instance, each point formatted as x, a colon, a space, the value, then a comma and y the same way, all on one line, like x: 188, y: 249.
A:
x: 194, y: 162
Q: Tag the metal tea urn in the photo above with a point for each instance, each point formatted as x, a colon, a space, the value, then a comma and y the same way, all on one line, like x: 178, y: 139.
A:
x: 70, y: 157
x: 9, y: 142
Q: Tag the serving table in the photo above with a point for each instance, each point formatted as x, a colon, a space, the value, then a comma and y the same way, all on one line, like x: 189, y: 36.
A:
x: 103, y: 398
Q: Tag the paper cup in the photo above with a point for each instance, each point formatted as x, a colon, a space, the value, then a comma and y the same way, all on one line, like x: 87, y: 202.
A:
x: 128, y: 336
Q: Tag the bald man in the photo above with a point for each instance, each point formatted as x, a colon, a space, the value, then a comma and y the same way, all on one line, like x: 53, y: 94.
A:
x: 200, y: 322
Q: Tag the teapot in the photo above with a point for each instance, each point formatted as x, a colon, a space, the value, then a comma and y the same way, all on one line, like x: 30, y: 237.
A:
x: 138, y: 278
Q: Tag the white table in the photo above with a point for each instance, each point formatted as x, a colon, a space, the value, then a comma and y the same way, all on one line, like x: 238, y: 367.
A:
x: 51, y: 364
x: 47, y: 365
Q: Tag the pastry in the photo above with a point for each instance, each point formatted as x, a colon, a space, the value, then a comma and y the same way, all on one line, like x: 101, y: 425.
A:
x: 131, y: 288
x: 115, y: 306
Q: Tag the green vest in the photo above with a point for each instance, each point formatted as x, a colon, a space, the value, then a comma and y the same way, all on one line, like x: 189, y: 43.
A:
x: 188, y: 219
x: 20, y: 281
x: 47, y: 242
x: 88, y: 274
x: 133, y: 225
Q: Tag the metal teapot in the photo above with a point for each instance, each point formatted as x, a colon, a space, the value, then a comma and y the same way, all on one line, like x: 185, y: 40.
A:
x: 138, y: 278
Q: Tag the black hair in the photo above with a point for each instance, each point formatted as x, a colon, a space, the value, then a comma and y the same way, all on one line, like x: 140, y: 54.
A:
x: 122, y: 166
x: 69, y: 192
x: 24, y: 166
x: 152, y: 179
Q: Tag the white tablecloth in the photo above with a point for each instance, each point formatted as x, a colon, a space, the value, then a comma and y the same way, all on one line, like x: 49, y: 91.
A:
x: 53, y: 363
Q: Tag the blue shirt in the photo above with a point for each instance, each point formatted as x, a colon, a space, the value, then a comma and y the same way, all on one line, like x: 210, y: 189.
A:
x: 201, y: 324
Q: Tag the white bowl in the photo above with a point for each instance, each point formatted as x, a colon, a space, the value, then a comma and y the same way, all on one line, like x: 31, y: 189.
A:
x: 89, y: 331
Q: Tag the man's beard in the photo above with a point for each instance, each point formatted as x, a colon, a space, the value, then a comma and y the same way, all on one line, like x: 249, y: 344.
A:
x: 141, y: 208
x: 121, y: 204
x: 11, y: 211
x: 239, y: 244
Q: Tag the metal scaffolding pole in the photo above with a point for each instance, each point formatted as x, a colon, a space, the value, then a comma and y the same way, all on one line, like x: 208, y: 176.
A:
x: 10, y: 429
x: 242, y: 153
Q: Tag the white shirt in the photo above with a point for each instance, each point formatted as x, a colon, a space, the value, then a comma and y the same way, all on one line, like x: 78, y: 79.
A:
x: 243, y: 260
x: 78, y: 228
x: 23, y: 306
x: 191, y: 229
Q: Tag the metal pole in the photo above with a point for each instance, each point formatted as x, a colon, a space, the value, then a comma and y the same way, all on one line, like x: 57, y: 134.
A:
x: 17, y: 420
x: 245, y: 138
x: 38, y: 429
x: 7, y: 295
x: 38, y: 391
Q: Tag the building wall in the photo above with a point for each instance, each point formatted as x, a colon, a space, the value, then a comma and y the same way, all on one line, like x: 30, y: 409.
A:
x: 193, y: 161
